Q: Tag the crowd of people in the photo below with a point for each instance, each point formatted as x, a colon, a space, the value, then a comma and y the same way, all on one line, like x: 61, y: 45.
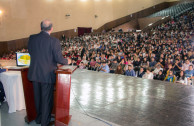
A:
x: 165, y: 54
x: 12, y: 54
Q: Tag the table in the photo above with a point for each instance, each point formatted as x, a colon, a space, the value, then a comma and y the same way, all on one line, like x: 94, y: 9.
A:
x: 12, y: 83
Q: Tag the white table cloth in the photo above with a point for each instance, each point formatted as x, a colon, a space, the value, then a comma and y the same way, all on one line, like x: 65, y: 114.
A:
x: 12, y: 83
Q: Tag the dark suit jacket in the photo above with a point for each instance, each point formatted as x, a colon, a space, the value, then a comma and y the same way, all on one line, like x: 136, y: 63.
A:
x: 45, y: 52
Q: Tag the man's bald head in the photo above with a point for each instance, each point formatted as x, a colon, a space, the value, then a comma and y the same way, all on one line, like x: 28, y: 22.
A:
x: 46, y: 25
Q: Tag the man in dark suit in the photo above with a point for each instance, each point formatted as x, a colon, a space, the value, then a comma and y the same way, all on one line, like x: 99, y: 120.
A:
x: 45, y: 52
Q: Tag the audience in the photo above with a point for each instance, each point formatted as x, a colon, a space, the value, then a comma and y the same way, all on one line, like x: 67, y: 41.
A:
x: 119, y: 70
x: 170, y: 77
x: 190, y: 72
x: 148, y: 74
x: 157, y: 69
x: 159, y: 76
x: 130, y: 71
x: 104, y: 68
x: 166, y: 51
x: 141, y: 72
x: 182, y: 79
x: 113, y: 66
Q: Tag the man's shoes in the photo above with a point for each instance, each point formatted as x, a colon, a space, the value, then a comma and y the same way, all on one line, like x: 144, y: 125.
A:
x: 52, y: 123
x: 38, y: 121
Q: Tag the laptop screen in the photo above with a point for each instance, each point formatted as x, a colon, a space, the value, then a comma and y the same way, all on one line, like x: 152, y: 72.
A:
x: 22, y: 59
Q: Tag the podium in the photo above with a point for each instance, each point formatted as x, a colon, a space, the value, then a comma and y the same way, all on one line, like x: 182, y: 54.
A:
x: 62, y: 99
x: 61, y: 95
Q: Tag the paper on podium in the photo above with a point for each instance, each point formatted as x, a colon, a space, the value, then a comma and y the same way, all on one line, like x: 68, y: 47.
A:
x: 67, y: 68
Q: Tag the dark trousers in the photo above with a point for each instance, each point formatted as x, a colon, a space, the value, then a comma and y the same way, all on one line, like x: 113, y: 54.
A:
x: 43, y: 95
x: 2, y: 93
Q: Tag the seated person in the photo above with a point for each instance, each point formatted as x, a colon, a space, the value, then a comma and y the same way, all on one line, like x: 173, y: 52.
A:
x: 182, y: 79
x: 177, y: 67
x: 78, y: 61
x: 103, y: 57
x: 82, y: 65
x: 73, y: 62
x: 167, y: 63
x: 130, y: 71
x: 170, y: 77
x: 141, y: 72
x: 148, y: 74
x: 92, y: 64
x: 190, y: 72
x: 119, y: 70
x: 157, y: 69
x: 136, y: 64
x: 97, y: 66
x: 145, y: 63
x: 186, y: 65
x: 161, y: 63
x: 168, y: 70
x: 85, y: 62
x: 122, y: 63
x: 159, y: 76
x: 113, y: 66
x: 104, y: 68
x: 152, y: 62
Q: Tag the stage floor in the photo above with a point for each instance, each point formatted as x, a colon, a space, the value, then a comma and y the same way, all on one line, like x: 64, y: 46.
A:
x: 121, y: 100
x: 131, y: 101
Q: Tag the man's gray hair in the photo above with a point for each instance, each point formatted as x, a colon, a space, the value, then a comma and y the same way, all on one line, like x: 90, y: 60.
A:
x: 46, y: 25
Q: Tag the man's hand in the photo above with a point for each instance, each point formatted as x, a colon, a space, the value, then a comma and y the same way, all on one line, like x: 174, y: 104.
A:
x: 69, y: 61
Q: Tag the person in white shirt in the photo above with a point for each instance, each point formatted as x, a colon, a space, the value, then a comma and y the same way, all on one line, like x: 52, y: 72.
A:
x: 186, y: 65
x: 85, y: 62
x: 157, y: 69
x: 148, y: 74
x: 182, y: 79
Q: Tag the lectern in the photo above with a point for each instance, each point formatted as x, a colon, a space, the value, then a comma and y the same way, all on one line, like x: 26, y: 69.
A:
x: 62, y: 100
x: 61, y: 95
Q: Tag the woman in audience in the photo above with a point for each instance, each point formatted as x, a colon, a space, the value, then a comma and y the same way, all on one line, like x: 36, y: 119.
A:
x: 182, y: 79
x: 123, y: 64
x: 119, y: 70
x: 148, y: 74
x: 170, y: 77
x: 145, y: 63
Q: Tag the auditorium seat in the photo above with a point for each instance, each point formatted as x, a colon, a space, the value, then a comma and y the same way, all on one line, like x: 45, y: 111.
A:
x: 174, y: 11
